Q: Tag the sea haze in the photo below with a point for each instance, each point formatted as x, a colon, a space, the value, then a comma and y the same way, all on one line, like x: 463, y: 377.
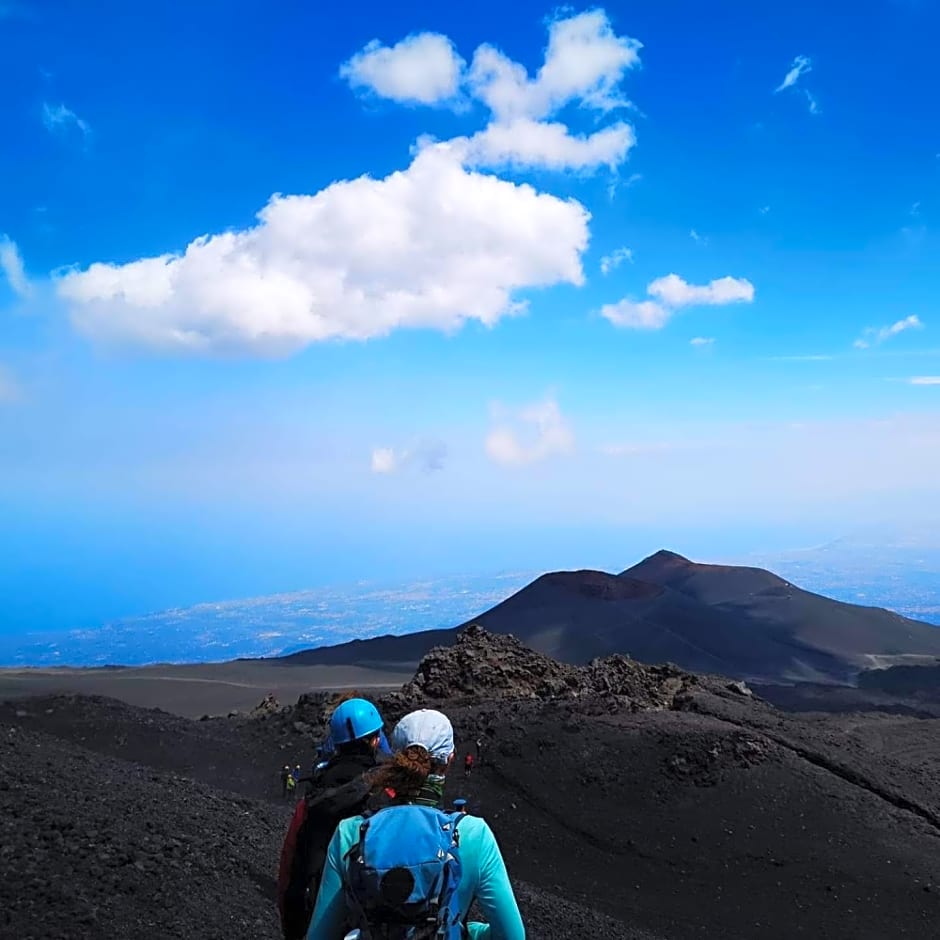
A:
x: 271, y: 625
x: 877, y: 572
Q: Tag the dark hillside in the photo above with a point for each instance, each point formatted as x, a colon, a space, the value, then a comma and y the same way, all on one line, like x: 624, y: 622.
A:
x: 738, y: 621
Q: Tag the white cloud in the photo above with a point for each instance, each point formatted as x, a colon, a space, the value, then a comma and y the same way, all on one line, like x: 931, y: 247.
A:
x: 642, y: 315
x: 764, y: 210
x: 431, y: 246
x: 671, y: 293
x: 698, y: 239
x: 615, y: 259
x: 801, y: 65
x: 924, y: 380
x: 11, y: 264
x: 584, y: 63
x: 428, y: 456
x: 527, y: 143
x: 58, y: 119
x: 811, y: 101
x: 10, y: 390
x: 872, y: 336
x: 702, y: 341
x: 674, y: 292
x: 529, y: 435
x: 384, y: 460
x: 421, y: 69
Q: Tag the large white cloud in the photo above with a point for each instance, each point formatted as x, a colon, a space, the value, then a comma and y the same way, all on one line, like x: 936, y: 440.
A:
x: 672, y: 293
x: 421, y: 69
x: 529, y: 434
x: 431, y: 246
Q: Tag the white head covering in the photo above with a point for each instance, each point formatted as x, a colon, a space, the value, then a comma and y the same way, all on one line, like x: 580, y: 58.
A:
x: 426, y: 728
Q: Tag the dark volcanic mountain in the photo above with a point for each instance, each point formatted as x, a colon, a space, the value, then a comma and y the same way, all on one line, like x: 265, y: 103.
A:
x: 738, y: 621
x: 630, y: 802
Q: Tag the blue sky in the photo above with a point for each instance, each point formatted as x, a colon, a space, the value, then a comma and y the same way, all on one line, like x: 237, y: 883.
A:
x: 291, y: 297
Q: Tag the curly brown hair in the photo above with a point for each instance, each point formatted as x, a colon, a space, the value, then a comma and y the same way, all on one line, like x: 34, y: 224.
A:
x: 407, y: 772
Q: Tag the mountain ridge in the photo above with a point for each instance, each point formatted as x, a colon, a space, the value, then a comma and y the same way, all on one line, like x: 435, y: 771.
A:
x: 742, y: 621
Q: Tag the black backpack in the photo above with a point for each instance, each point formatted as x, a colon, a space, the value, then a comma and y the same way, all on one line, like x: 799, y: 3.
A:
x: 304, y: 853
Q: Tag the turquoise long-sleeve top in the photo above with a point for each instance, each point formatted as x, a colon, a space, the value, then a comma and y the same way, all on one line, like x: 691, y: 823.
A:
x: 483, y: 878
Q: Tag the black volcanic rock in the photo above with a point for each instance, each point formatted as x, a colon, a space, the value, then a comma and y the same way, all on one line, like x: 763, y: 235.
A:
x: 921, y: 683
x: 629, y: 802
x: 484, y: 666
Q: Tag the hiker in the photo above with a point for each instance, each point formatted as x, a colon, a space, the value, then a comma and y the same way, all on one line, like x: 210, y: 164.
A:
x: 295, y: 773
x: 336, y: 791
x: 479, y: 750
x: 351, y: 890
x: 467, y: 764
x: 460, y: 806
x: 285, y: 773
x: 290, y: 785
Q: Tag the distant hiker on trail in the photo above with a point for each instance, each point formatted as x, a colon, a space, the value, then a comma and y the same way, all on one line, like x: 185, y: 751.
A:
x: 285, y: 774
x: 338, y: 790
x: 290, y: 785
x: 467, y: 764
x: 460, y: 806
x: 479, y: 750
x: 418, y: 840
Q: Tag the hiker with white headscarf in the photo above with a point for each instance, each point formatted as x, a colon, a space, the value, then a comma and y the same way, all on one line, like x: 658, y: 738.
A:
x: 376, y: 873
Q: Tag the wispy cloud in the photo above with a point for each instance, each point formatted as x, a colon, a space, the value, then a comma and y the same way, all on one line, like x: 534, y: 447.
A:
x: 915, y: 209
x: 698, y: 239
x: 872, y: 336
x: 701, y: 341
x: 764, y: 210
x: 671, y: 293
x: 800, y: 66
x: 924, y: 380
x: 528, y: 435
x: 428, y: 456
x: 615, y: 259
x: 58, y: 119
x: 11, y: 265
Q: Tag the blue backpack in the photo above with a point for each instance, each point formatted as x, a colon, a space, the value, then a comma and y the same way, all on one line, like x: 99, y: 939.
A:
x: 402, y: 875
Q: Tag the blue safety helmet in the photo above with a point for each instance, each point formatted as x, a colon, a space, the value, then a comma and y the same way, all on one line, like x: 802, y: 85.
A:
x: 354, y: 719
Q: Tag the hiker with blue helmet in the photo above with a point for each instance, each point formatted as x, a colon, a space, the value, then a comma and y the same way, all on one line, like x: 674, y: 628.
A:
x: 412, y: 864
x: 337, y: 790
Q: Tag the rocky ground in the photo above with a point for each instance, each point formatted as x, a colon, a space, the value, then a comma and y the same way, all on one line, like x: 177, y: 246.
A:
x: 630, y: 802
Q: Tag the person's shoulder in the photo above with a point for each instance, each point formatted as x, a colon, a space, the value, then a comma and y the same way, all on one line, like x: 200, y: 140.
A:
x: 348, y: 830
x: 475, y: 828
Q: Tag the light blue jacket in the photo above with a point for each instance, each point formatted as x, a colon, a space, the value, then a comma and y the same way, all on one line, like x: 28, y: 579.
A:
x: 483, y: 878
